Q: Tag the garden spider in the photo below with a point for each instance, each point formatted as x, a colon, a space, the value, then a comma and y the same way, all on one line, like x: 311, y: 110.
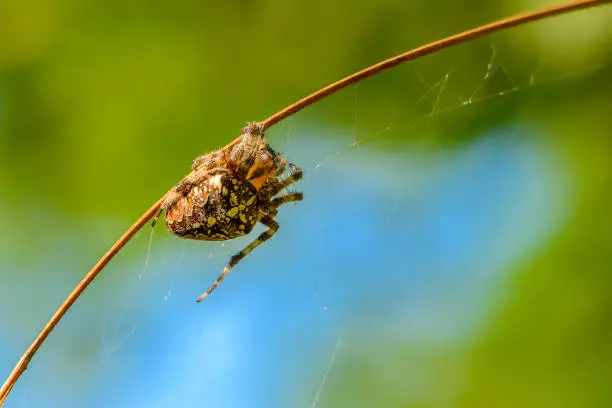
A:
x: 229, y: 191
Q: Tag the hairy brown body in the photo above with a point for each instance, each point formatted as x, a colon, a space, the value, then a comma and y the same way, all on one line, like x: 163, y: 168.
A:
x: 229, y: 192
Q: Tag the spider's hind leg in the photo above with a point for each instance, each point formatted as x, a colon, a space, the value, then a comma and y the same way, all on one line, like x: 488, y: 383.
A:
x: 266, y: 220
x: 171, y: 197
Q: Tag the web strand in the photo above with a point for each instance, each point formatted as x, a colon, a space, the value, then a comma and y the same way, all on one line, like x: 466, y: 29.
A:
x: 330, y: 363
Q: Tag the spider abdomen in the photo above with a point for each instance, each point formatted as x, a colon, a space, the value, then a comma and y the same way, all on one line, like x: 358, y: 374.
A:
x: 218, y: 208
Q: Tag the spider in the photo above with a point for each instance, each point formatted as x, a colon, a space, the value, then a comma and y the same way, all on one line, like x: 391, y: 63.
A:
x: 229, y: 192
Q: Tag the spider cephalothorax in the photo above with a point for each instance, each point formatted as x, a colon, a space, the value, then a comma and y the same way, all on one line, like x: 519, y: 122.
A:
x: 229, y: 192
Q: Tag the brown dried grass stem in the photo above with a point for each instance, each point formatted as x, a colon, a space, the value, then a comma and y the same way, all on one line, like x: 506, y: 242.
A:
x: 430, y: 48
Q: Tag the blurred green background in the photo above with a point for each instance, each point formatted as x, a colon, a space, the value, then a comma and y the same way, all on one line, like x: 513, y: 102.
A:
x: 454, y: 247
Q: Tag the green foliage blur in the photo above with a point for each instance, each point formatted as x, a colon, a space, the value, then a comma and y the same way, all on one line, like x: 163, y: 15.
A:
x: 103, y: 105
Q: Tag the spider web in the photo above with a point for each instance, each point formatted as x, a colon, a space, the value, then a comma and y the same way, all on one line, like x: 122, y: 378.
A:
x: 503, y: 150
x: 334, y: 294
x: 335, y: 289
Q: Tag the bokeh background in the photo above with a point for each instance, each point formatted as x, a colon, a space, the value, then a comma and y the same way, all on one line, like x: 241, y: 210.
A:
x: 454, y: 248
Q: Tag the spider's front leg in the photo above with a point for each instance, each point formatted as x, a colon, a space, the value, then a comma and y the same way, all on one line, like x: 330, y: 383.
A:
x: 208, y: 161
x: 266, y: 220
x: 274, y: 186
x: 272, y: 208
x: 286, y: 198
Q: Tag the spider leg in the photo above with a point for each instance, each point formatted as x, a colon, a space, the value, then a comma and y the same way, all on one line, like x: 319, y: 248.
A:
x: 286, y: 198
x: 274, y: 186
x: 156, y: 216
x: 171, y: 197
x: 266, y: 220
x: 272, y: 207
x: 295, y: 175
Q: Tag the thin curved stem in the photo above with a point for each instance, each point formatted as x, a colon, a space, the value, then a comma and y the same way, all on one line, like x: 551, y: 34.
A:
x: 430, y: 49
x: 23, y: 362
